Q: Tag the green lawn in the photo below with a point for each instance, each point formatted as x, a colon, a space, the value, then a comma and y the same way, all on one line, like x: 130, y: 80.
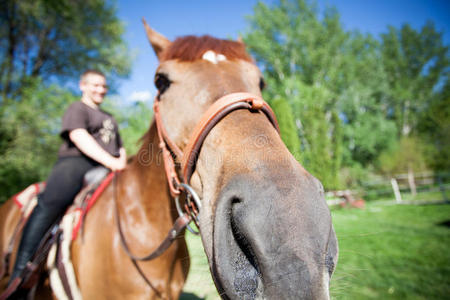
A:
x: 386, y: 252
x: 199, y: 284
x: 393, y: 252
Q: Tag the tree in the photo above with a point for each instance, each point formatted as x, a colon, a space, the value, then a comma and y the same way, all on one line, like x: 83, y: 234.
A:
x: 434, y: 128
x: 56, y: 40
x: 44, y: 46
x: 415, y: 62
x: 352, y: 96
x: 29, y: 137
x: 305, y: 60
x: 286, y: 122
x: 408, y: 155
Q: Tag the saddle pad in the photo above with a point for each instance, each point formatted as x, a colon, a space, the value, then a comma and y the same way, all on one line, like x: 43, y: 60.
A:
x: 86, y: 199
x: 59, y: 264
x: 61, y: 272
x: 26, y: 200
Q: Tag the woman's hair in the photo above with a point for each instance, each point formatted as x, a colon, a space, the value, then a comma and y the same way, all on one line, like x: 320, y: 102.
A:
x: 91, y: 71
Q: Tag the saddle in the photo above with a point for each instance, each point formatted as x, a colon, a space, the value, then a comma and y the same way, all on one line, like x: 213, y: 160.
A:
x: 55, y: 245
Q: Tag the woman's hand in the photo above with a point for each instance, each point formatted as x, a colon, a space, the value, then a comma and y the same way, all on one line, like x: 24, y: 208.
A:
x: 87, y: 144
x: 117, y: 164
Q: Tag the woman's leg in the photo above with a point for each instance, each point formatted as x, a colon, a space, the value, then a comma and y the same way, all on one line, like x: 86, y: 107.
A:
x: 64, y: 183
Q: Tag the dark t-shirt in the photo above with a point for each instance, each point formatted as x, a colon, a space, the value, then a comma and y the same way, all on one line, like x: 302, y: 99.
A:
x: 98, y: 123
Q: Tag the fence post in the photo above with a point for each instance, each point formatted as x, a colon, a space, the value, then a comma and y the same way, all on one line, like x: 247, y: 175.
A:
x: 442, y: 188
x: 398, y: 196
x: 412, y: 184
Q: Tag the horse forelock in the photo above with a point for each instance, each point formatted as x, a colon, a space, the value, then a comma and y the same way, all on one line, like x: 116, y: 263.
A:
x: 191, y: 48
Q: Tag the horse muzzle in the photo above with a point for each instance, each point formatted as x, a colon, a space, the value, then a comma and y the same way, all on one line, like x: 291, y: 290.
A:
x: 273, y: 240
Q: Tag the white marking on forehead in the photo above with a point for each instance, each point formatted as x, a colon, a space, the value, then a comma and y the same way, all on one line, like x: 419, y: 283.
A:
x: 213, y: 57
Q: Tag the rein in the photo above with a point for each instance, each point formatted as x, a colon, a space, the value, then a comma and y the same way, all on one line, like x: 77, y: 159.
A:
x: 221, y: 108
x: 179, y: 225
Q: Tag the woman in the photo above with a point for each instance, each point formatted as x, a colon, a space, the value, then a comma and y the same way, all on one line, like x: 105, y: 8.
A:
x: 90, y: 138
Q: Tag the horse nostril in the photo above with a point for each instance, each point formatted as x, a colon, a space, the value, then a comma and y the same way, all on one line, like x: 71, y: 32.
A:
x: 237, y: 214
x: 235, y: 200
x: 329, y: 263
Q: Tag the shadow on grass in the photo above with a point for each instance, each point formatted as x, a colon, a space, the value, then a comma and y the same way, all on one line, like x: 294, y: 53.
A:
x: 445, y: 223
x: 189, y: 296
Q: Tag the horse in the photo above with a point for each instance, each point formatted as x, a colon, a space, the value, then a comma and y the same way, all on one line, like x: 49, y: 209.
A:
x: 264, y: 223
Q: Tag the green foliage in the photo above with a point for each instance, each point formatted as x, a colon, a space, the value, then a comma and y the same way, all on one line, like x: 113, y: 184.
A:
x: 29, y: 136
x: 44, y: 46
x: 302, y: 59
x: 344, y: 100
x: 434, y: 128
x: 352, y: 97
x: 287, y: 125
x: 337, y: 149
x: 414, y: 63
x: 134, y: 121
x: 408, y: 154
x: 57, y: 41
x: 353, y: 176
x: 367, y: 129
x: 30, y: 133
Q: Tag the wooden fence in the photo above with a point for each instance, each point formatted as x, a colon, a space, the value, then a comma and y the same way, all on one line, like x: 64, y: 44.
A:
x: 395, y: 187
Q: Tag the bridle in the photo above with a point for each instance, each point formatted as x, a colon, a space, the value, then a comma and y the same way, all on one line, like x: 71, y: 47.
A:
x: 216, y: 112
x: 170, y: 151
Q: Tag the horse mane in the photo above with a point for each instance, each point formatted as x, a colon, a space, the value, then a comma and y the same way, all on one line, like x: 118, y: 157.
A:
x: 190, y: 48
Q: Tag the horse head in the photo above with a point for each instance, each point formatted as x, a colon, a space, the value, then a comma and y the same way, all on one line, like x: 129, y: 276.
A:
x: 264, y: 222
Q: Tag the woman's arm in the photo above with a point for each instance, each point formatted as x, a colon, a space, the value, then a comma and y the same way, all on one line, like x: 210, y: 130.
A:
x: 87, y: 144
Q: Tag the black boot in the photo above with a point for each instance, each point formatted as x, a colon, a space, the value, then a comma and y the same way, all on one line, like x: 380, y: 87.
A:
x: 37, y: 225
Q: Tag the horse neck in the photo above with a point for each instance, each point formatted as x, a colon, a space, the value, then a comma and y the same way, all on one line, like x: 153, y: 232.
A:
x: 146, y: 185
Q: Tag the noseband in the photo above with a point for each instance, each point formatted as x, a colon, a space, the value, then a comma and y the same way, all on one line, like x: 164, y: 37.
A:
x: 221, y: 108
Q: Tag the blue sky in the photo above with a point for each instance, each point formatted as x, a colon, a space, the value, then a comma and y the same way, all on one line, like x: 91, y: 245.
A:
x: 226, y: 19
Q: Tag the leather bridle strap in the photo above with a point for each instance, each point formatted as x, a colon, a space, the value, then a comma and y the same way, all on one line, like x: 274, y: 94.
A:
x: 221, y: 108
x: 214, y: 115
x: 179, y: 225
x: 169, y: 163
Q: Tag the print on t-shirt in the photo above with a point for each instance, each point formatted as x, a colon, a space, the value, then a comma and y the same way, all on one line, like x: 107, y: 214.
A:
x: 97, y: 122
x: 107, y: 132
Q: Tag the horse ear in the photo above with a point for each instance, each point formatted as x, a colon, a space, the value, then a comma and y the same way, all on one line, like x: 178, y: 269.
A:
x: 157, y: 40
x: 240, y: 40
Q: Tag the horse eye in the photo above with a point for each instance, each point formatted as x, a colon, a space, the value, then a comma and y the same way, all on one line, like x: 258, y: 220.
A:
x: 162, y: 82
x: 262, y: 84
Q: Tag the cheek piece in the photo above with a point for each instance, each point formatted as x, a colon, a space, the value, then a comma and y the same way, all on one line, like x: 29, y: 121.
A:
x: 188, y: 158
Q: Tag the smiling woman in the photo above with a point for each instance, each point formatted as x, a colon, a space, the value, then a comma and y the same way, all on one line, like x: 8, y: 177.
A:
x: 90, y: 139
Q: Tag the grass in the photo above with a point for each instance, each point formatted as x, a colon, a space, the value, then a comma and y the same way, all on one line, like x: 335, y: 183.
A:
x: 393, y: 252
x: 199, y: 284
x: 386, y: 252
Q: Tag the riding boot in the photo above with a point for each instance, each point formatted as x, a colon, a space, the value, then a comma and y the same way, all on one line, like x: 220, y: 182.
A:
x: 37, y: 225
